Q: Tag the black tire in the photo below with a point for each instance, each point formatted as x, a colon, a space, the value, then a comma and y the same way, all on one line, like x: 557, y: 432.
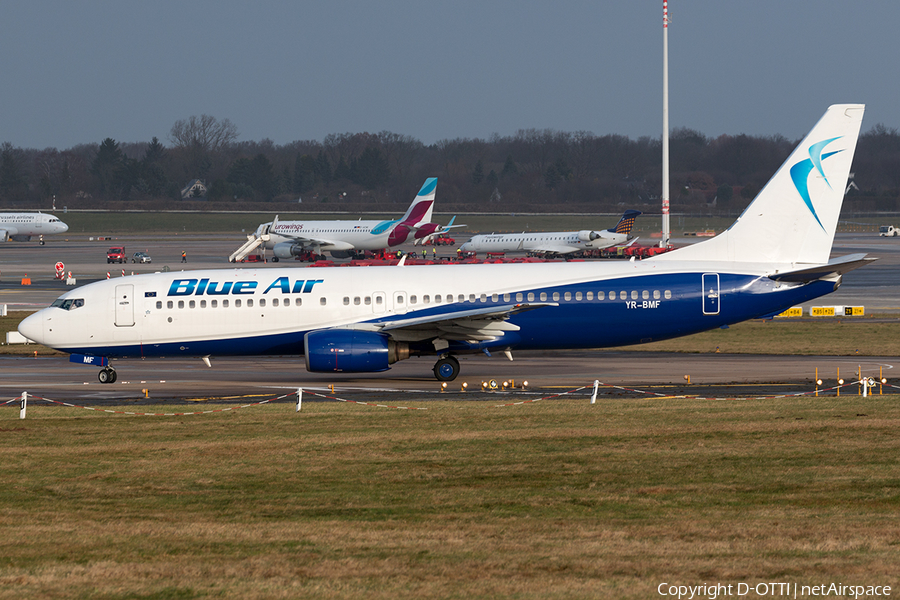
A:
x: 274, y: 259
x: 106, y: 375
x: 446, y: 369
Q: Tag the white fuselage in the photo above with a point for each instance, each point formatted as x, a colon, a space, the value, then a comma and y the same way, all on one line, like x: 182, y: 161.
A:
x: 341, y: 235
x: 20, y: 226
x: 560, y: 242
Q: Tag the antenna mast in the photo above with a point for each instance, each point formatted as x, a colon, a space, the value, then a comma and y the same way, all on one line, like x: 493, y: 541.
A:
x: 665, y: 139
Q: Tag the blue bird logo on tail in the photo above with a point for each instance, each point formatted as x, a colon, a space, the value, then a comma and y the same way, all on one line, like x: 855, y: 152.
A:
x: 800, y: 173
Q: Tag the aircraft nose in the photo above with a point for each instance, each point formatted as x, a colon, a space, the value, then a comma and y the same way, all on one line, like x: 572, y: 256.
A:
x: 63, y: 228
x: 32, y: 327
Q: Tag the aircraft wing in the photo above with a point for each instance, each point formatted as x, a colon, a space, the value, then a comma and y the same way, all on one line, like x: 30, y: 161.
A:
x: 548, y: 249
x: 478, y: 324
x: 835, y: 267
x: 302, y: 240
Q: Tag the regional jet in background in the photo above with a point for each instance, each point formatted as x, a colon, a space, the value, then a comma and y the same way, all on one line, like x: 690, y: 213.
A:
x: 554, y: 242
x: 21, y: 226
x: 288, y: 239
x: 363, y: 319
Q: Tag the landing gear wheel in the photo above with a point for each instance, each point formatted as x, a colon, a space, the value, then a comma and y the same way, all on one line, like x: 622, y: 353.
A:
x: 107, y: 375
x: 446, y: 369
x: 274, y: 259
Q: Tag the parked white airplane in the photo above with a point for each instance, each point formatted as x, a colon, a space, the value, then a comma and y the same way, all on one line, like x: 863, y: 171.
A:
x: 554, y: 242
x: 20, y: 226
x: 290, y: 238
x: 774, y: 256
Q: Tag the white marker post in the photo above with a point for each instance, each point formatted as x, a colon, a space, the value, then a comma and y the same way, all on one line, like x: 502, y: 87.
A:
x: 594, y: 395
x: 23, y: 404
x: 299, y: 399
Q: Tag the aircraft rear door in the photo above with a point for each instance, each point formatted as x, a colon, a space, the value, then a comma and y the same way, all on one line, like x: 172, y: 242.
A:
x: 125, y: 305
x: 710, y: 293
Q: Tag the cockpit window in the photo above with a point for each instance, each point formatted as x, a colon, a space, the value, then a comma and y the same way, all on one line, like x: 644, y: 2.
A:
x: 68, y: 303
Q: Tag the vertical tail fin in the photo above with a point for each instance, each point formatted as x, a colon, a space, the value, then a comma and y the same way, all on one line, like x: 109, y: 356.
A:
x: 626, y: 222
x: 420, y: 209
x: 794, y: 218
x: 418, y: 212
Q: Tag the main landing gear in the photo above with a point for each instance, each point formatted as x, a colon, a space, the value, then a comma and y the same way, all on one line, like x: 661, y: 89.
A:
x: 107, y: 375
x: 447, y: 368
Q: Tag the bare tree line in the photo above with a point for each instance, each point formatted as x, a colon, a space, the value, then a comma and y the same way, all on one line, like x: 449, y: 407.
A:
x: 535, y: 170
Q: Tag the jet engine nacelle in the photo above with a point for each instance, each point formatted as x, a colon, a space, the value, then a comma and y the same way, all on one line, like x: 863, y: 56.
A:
x: 587, y: 236
x: 287, y: 250
x: 426, y: 230
x: 349, y: 351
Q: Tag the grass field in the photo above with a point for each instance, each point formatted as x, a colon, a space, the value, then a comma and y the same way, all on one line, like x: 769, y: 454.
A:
x: 555, y: 499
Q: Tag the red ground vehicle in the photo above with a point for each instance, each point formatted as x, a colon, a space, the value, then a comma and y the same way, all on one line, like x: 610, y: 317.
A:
x: 441, y: 240
x: 116, y: 254
x: 253, y: 258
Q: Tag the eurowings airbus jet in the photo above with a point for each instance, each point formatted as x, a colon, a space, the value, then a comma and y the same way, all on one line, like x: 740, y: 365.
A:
x: 774, y: 256
x: 290, y: 238
x: 19, y: 227
x: 554, y: 242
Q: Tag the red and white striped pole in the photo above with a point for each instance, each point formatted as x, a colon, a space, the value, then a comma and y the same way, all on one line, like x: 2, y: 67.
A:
x: 665, y: 139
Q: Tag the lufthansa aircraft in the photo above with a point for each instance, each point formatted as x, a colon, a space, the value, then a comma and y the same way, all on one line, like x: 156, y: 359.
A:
x: 291, y: 238
x: 19, y: 227
x: 554, y: 242
x: 776, y: 255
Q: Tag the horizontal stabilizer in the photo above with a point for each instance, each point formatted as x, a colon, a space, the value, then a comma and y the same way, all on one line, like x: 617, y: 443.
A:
x: 836, y: 266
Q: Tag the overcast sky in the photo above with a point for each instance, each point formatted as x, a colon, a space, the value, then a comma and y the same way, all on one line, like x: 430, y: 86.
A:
x: 78, y: 72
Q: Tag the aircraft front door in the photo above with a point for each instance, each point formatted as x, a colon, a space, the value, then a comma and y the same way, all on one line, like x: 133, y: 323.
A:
x: 125, y: 305
x: 710, y: 293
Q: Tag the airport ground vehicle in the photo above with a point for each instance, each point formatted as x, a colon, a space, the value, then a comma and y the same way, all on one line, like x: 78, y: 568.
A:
x: 888, y: 231
x: 141, y: 257
x: 116, y: 254
x: 441, y: 240
x: 252, y: 258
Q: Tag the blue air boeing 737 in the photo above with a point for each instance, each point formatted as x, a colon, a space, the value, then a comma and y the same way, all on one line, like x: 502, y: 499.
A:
x: 776, y: 255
